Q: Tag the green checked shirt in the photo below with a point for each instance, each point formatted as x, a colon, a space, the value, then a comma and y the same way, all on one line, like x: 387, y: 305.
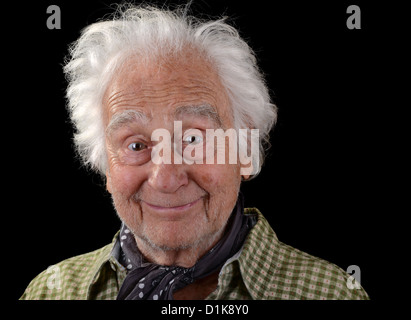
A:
x: 264, y: 268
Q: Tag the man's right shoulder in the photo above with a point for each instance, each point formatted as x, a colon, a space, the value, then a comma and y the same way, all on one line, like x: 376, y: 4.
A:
x: 68, y: 279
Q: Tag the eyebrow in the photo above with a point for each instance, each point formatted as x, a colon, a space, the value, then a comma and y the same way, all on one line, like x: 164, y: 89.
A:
x: 205, y: 111
x: 124, y: 118
x: 130, y: 116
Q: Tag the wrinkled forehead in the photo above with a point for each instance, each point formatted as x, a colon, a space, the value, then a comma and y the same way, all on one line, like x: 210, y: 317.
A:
x: 162, y: 86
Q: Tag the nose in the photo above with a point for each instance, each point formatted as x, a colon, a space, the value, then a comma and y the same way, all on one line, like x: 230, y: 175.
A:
x: 167, y: 178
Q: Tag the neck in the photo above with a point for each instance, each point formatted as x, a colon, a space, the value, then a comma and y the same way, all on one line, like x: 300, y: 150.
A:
x: 184, y: 257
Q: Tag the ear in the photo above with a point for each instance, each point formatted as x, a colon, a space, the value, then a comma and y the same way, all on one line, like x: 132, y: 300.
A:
x: 245, y: 178
x: 248, y: 144
x: 246, y: 170
x: 108, y: 181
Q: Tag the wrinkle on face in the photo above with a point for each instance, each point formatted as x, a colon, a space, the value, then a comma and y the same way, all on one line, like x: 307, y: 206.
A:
x: 156, y: 95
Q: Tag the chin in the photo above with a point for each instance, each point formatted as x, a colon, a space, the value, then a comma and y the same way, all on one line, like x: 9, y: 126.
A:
x: 179, y: 239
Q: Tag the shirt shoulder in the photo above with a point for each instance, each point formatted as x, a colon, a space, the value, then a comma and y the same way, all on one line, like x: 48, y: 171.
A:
x: 274, y: 270
x: 70, y: 279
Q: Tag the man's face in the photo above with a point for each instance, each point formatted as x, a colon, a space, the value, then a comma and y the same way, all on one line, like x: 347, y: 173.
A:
x: 168, y: 206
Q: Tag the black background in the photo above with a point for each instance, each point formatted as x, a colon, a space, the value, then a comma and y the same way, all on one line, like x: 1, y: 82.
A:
x: 321, y: 188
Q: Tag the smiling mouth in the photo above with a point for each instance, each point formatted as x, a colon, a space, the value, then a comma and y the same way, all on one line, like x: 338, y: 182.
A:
x: 172, y: 208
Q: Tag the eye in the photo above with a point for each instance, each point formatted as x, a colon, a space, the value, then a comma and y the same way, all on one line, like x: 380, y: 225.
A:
x: 137, y: 146
x: 193, y: 139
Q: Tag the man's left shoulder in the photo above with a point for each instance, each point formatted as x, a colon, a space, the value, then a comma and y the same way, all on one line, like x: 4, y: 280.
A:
x: 279, y: 271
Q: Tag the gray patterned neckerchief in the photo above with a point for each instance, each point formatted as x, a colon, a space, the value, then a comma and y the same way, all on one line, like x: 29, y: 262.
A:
x: 149, y: 281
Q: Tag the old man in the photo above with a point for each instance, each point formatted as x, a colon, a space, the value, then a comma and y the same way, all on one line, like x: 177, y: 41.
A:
x: 174, y: 113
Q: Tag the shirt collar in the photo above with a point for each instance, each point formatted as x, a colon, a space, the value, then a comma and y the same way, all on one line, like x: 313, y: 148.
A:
x: 107, y: 259
x: 252, y: 258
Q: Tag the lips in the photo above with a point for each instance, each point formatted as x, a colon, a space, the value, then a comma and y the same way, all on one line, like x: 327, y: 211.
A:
x: 175, y: 213
x: 171, y: 207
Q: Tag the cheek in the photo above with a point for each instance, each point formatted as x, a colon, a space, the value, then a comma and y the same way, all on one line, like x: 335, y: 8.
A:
x: 222, y: 183
x: 125, y: 180
x: 218, y: 179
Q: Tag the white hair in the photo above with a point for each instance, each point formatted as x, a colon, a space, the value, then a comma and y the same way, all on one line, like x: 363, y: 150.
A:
x: 151, y: 32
